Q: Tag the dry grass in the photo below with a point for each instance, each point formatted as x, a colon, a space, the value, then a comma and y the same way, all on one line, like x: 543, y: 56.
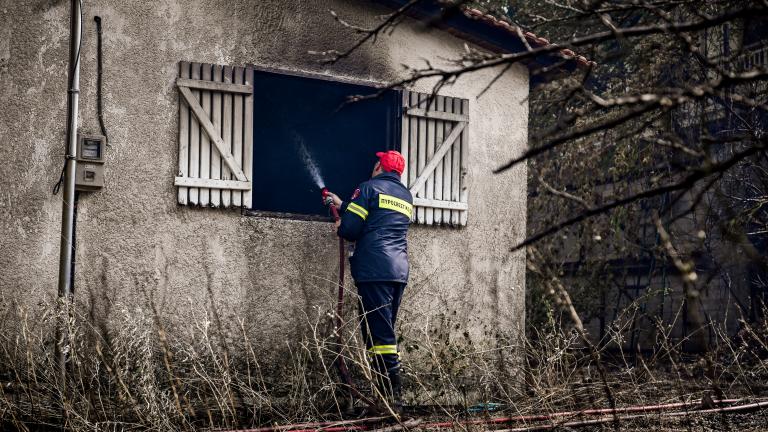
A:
x: 140, y: 374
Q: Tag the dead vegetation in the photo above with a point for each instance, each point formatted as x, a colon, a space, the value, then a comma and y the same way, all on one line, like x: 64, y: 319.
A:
x: 140, y: 375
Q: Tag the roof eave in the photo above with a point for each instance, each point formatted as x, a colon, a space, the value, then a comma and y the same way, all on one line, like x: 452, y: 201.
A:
x: 490, y: 33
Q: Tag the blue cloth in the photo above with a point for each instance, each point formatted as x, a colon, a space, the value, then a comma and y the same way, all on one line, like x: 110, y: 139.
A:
x: 377, y: 219
x: 379, y: 303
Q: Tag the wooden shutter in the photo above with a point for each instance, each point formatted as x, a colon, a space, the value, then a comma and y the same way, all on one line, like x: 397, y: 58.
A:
x: 436, y: 149
x: 215, y: 135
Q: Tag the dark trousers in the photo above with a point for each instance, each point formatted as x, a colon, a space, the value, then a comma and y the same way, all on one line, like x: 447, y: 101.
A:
x: 379, y: 303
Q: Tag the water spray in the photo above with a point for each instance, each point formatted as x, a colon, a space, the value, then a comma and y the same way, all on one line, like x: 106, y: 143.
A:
x: 309, y: 162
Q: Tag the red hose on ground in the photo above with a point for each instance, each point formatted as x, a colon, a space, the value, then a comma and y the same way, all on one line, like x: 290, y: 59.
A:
x: 358, y: 425
x: 596, y: 411
x: 603, y: 420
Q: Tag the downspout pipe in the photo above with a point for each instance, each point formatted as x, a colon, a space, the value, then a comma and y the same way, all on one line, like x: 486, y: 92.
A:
x: 68, y: 200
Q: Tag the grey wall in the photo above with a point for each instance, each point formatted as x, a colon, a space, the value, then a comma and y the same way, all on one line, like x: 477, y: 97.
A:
x: 135, y: 243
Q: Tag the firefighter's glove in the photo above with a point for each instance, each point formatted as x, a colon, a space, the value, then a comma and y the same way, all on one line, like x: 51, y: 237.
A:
x: 333, y: 199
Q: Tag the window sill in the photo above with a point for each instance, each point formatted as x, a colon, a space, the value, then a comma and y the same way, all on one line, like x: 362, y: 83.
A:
x: 292, y: 216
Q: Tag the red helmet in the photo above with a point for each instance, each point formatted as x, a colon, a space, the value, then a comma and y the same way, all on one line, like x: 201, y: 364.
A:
x: 391, y: 161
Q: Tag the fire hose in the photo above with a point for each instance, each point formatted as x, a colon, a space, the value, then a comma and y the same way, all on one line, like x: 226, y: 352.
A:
x: 341, y: 363
x: 554, y: 420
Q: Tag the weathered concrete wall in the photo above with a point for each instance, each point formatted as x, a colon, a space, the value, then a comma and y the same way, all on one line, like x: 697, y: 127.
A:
x: 135, y: 243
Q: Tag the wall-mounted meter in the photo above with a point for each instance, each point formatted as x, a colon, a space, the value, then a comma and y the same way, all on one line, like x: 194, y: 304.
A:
x: 89, y: 175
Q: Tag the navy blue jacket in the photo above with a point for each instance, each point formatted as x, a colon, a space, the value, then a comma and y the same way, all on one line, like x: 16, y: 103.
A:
x: 377, y: 219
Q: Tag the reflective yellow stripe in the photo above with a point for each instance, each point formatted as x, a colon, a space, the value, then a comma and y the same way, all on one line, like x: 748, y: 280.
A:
x: 396, y: 204
x: 358, y: 210
x: 358, y: 207
x: 383, y: 349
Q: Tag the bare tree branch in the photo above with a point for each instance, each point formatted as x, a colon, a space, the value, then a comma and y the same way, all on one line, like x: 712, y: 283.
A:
x: 686, y: 183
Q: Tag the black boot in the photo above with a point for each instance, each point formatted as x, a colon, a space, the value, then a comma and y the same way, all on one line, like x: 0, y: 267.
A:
x: 397, y: 391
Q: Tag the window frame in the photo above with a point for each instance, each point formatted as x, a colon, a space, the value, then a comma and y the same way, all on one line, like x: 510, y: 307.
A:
x: 300, y: 73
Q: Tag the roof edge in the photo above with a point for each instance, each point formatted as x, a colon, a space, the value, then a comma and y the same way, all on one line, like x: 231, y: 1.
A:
x: 491, y: 33
x: 533, y: 40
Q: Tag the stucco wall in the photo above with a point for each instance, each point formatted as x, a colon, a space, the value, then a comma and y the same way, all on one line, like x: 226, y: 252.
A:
x: 135, y: 243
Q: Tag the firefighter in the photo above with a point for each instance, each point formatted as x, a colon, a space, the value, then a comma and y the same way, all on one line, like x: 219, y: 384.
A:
x: 377, y: 219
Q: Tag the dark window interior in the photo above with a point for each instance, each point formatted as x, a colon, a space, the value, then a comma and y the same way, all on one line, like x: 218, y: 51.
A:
x: 300, y: 119
x: 755, y: 31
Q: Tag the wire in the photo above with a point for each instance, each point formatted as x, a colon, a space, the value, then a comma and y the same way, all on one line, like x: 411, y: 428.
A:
x: 79, y: 45
x: 57, y: 186
x: 99, y: 73
x: 67, y: 156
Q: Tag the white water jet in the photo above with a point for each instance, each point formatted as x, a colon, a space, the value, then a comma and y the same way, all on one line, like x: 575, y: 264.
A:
x: 309, y: 163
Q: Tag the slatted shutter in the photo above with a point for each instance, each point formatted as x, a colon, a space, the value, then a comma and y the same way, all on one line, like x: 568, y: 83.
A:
x: 215, y: 135
x: 435, y: 144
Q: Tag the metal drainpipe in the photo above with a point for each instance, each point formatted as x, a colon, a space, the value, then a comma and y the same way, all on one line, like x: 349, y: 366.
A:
x: 68, y: 202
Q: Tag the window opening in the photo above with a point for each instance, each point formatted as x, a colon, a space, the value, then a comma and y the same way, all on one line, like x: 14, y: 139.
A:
x: 307, y: 135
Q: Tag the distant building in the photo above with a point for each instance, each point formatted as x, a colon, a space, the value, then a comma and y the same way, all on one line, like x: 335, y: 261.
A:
x: 640, y: 294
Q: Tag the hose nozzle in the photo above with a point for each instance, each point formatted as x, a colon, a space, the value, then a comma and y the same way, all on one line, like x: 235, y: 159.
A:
x: 329, y: 202
x: 326, y: 198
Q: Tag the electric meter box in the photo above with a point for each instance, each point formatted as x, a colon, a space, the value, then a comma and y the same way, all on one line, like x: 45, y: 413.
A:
x: 89, y: 174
